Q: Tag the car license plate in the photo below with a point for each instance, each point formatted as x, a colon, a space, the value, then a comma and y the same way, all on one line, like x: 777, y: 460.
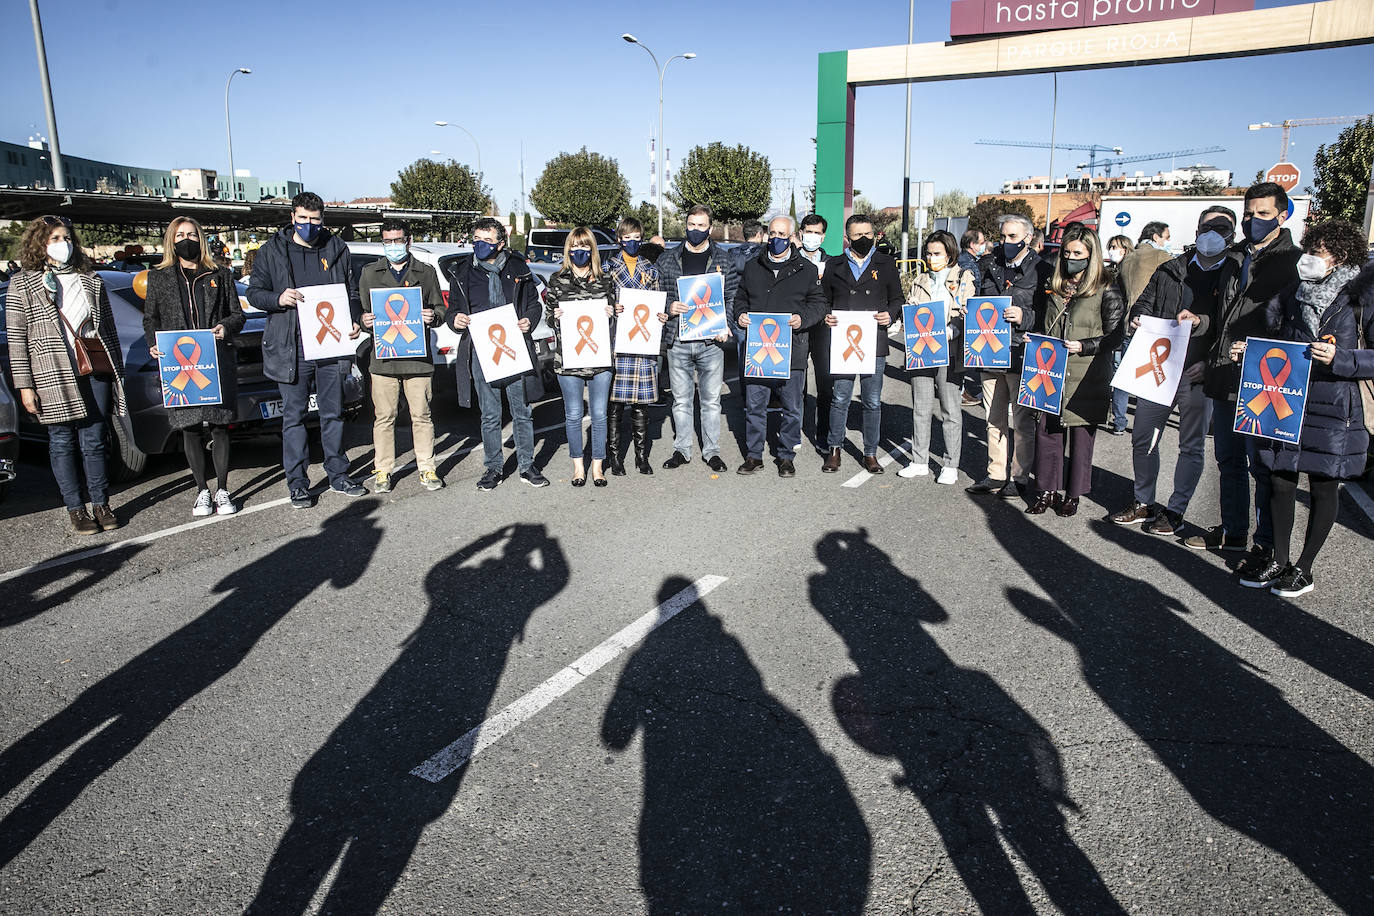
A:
x: 271, y: 410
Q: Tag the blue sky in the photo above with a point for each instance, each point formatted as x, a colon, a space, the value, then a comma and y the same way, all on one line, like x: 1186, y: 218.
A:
x: 352, y: 89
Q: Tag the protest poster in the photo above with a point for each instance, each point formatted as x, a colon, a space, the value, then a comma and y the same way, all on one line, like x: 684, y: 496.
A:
x: 638, y: 332
x: 704, y: 296
x: 325, y: 322
x: 768, y: 346
x: 1273, y: 389
x: 398, y: 325
x: 585, y: 334
x: 498, y: 343
x: 926, y: 330
x: 1042, y: 376
x: 188, y: 368
x: 1153, y: 364
x: 987, y: 335
x: 851, y: 343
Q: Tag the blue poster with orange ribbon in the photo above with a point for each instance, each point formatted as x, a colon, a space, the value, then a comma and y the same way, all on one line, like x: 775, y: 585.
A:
x: 704, y: 296
x: 927, y: 335
x: 1042, y: 376
x: 987, y: 335
x: 1273, y: 389
x: 188, y: 368
x: 398, y: 327
x: 768, y: 346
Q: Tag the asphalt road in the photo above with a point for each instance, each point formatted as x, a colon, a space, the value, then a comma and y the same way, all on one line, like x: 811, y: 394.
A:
x: 892, y: 697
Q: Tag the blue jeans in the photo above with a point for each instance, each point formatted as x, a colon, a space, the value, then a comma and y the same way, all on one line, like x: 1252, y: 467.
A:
x: 1237, y: 459
x: 1119, y: 397
x: 871, y: 394
x: 522, y: 422
x: 598, y: 389
x: 327, y: 377
x: 756, y: 397
x: 696, y: 368
x: 87, y: 435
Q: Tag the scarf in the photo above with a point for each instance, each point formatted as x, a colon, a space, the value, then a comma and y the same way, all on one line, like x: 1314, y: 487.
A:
x: 50, y: 276
x: 1314, y: 296
x: 495, y: 290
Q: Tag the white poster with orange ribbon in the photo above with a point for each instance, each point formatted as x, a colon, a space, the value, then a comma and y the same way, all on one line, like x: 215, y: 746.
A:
x: 852, y: 343
x: 638, y: 331
x: 498, y: 343
x: 1153, y: 363
x: 326, y: 321
x: 584, y: 330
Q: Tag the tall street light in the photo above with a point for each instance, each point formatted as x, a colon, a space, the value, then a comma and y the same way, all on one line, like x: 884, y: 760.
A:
x: 59, y: 176
x: 475, y: 144
x: 229, y: 132
x: 299, y: 179
x: 660, y: 152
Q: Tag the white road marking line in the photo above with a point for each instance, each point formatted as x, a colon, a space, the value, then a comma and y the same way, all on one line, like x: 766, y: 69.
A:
x: 68, y: 559
x: 459, y: 753
x: 1361, y: 498
x: 887, y: 457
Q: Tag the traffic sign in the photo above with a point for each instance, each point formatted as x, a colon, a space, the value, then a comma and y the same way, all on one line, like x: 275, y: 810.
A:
x: 1283, y: 174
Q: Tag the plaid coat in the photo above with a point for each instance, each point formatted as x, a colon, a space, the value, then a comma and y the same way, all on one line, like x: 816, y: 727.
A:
x: 39, y: 354
x: 636, y: 377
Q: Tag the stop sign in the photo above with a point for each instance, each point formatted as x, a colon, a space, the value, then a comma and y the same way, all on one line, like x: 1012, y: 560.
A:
x: 1283, y: 174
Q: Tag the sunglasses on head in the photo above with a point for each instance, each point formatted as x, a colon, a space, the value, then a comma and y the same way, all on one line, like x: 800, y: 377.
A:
x: 56, y: 221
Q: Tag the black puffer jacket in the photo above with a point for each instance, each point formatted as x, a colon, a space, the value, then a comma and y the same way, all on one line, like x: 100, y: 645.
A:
x: 796, y: 289
x: 1271, y: 271
x: 1167, y: 293
x: 565, y: 286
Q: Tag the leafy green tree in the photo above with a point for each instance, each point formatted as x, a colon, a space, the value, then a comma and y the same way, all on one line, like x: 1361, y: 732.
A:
x: 529, y: 222
x: 514, y: 226
x: 792, y: 211
x: 1340, y: 173
x: 429, y: 185
x: 673, y: 224
x: 581, y: 189
x: 983, y: 216
x: 953, y: 202
x: 734, y: 181
x: 1202, y: 186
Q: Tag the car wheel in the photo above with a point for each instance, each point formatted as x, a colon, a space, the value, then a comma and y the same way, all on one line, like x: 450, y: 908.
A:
x: 126, y: 461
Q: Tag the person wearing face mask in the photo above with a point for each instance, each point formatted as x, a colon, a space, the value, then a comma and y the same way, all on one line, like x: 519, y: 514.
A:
x: 1085, y: 310
x: 943, y: 281
x: 1118, y: 246
x: 812, y: 234
x: 305, y: 254
x: 495, y: 276
x: 780, y: 281
x: 1185, y: 288
x: 696, y: 368
x: 1016, y: 271
x: 391, y: 378
x: 755, y: 240
x: 866, y: 281
x: 581, y: 277
x: 1333, y: 444
x: 188, y: 290
x: 56, y: 304
x: 636, y: 377
x: 1266, y: 261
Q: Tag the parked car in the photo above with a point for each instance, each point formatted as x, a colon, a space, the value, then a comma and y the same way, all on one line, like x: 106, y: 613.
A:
x: 546, y: 245
x: 9, y: 437
x: 145, y: 430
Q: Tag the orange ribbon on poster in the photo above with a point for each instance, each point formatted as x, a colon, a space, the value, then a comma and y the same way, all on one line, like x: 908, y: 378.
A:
x: 1159, y: 354
x: 855, y: 335
x: 325, y: 312
x: 987, y: 330
x: 585, y: 326
x: 188, y: 372
x: 1275, y: 398
x: 769, y: 349
x: 641, y: 323
x: 497, y: 335
x: 925, y: 340
x: 1041, y: 376
x: 701, y: 298
x: 398, y: 325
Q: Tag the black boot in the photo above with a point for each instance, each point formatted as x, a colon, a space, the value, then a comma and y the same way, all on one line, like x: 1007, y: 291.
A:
x: 615, y: 458
x: 639, y: 429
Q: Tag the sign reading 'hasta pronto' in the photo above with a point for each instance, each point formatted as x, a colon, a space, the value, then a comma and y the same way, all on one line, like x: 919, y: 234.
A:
x: 992, y: 17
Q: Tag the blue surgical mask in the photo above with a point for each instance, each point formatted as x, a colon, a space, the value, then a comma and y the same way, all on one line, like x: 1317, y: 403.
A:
x: 1257, y: 230
x: 395, y: 252
x: 697, y: 236
x: 581, y: 256
x: 1010, y: 250
x: 307, y: 230
x: 483, y: 249
x: 630, y: 247
x: 1210, y: 244
x: 777, y: 247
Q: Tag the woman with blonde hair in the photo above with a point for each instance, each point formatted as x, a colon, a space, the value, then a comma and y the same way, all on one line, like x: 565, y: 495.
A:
x: 66, y: 363
x: 1085, y: 309
x: 189, y: 291
x: 581, y: 277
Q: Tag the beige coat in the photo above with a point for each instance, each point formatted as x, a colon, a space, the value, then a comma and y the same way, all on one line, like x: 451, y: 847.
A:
x: 40, y: 357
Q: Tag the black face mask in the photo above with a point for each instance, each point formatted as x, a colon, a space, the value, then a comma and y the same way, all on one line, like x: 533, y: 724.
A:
x: 187, y: 249
x: 1075, y: 266
x: 861, y: 246
x: 697, y: 236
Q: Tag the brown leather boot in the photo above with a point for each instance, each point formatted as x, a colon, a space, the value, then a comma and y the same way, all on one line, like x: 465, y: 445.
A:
x: 82, y: 523
x: 104, y: 518
x: 832, y: 461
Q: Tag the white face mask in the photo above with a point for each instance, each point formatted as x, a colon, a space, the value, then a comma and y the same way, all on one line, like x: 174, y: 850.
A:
x: 60, y: 252
x: 811, y: 240
x: 1115, y: 255
x: 1312, y: 268
x: 1210, y: 244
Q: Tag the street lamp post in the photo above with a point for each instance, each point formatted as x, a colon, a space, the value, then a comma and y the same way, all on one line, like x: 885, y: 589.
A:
x: 475, y: 145
x: 299, y: 179
x: 229, y: 132
x: 59, y: 176
x: 660, y: 152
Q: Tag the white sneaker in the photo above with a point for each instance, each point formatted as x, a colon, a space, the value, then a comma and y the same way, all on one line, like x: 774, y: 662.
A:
x: 948, y: 476
x: 914, y: 470
x: 202, y: 506
x: 223, y: 504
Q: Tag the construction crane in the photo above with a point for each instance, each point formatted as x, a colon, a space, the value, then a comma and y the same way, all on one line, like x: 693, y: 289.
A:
x: 1196, y: 151
x: 1092, y: 149
x: 1302, y: 122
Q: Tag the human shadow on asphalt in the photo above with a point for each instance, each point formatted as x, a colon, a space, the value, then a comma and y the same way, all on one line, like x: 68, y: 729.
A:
x: 967, y: 750
x: 24, y: 598
x: 113, y: 716
x: 1302, y: 634
x: 742, y: 808
x: 356, y: 797
x: 1248, y: 758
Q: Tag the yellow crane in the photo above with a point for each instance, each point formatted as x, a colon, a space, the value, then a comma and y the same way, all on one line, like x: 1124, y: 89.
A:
x: 1291, y: 123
